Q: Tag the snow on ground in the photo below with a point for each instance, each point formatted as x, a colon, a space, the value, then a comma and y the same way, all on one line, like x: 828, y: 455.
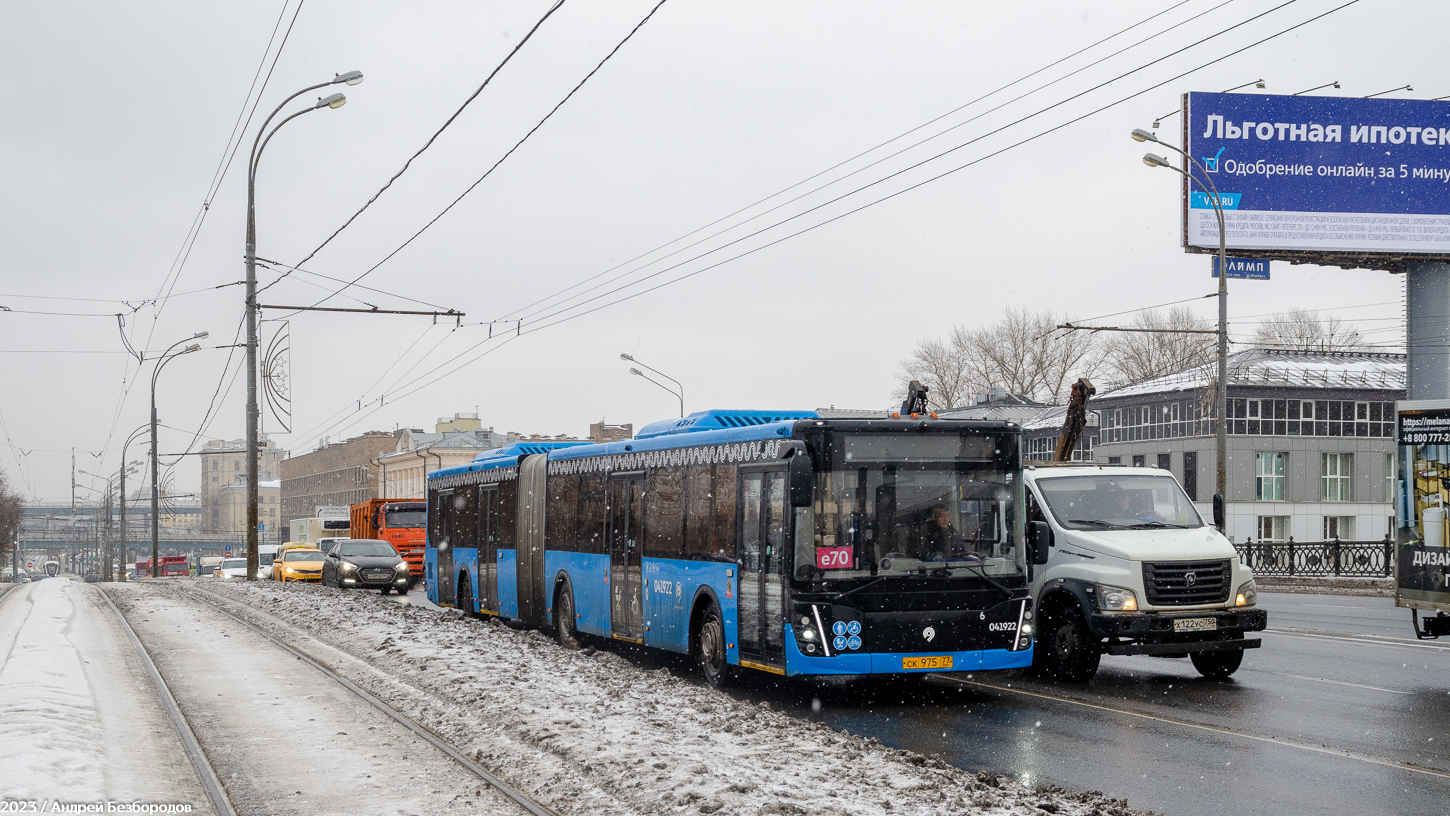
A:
x: 587, y: 732
x: 285, y: 738
x: 79, y: 718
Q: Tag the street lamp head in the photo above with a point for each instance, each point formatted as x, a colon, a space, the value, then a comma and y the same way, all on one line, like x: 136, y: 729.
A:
x: 1260, y: 85
x: 636, y: 372
x: 201, y: 335
x: 335, y: 101
x: 626, y: 357
x: 1141, y: 135
x: 350, y: 77
x: 1155, y: 161
x: 191, y: 348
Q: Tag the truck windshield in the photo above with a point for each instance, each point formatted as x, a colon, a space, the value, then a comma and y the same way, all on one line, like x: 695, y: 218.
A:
x: 921, y: 504
x: 1118, y: 502
x: 406, y: 515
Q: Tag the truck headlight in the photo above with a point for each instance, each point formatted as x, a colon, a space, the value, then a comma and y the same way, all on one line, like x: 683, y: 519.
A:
x: 1116, y: 599
x: 1248, y: 594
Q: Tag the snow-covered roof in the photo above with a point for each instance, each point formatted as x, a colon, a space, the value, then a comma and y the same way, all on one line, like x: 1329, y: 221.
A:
x: 1284, y: 368
x: 1052, y: 417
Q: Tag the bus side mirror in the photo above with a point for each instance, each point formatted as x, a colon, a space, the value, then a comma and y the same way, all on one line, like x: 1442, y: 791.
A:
x: 1040, y: 533
x: 801, y: 480
x: 1218, y: 511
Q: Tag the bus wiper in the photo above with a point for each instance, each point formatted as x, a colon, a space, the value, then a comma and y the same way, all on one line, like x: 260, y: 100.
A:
x: 981, y: 573
x: 1099, y: 522
x: 839, y: 595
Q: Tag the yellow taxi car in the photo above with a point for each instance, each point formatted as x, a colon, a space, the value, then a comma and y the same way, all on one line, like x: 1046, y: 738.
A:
x: 298, y: 564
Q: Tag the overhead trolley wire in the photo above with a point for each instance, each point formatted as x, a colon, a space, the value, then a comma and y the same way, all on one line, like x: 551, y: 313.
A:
x: 938, y: 176
x: 887, y: 157
x: 502, y: 159
x: 567, y: 317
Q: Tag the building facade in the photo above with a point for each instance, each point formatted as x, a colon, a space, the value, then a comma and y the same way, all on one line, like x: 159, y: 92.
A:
x: 602, y: 431
x: 232, y: 501
x: 1310, y: 446
x: 403, y: 471
x: 342, y: 473
x: 225, y: 461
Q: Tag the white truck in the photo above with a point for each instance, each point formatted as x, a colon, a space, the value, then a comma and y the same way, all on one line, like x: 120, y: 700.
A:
x: 1133, y: 569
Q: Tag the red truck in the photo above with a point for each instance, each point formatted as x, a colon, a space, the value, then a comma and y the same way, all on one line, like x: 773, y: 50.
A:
x: 172, y: 566
x: 400, y: 522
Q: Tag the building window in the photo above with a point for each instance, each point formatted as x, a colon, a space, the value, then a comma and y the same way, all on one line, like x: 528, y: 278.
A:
x: 1269, y: 476
x: 1165, y: 461
x: 214, y: 464
x: 1334, y: 483
x: 1164, y: 420
x: 1190, y: 474
x: 1115, y: 460
x: 1278, y: 417
x: 1273, y: 528
x: 1341, y: 527
x: 1140, y: 460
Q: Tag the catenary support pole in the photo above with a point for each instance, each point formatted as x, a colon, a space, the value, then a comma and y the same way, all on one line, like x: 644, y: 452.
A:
x: 1427, y: 330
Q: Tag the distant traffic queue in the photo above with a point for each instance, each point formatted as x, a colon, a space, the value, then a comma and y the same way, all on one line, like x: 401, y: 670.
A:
x: 780, y: 541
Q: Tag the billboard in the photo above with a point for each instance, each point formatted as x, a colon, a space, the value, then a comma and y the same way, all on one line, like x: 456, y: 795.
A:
x: 1355, y: 182
x: 1422, y: 505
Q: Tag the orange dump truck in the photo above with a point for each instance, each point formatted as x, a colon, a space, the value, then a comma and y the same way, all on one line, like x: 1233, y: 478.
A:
x: 400, y: 522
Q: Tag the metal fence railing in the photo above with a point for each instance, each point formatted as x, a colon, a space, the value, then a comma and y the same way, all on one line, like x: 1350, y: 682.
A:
x: 1368, y: 559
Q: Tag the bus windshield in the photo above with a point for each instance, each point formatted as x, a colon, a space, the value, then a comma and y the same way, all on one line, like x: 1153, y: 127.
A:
x: 921, y: 504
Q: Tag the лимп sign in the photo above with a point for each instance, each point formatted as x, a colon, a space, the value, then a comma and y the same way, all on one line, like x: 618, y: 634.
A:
x: 1245, y: 268
x: 1321, y: 174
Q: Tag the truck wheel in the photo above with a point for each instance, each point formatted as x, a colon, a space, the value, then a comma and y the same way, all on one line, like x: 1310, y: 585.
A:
x: 1217, y: 665
x: 710, y: 649
x: 1068, y: 650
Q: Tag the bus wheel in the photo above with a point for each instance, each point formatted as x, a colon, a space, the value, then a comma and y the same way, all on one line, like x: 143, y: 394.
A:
x: 463, y: 598
x: 1069, y: 651
x: 564, y: 618
x: 710, y: 649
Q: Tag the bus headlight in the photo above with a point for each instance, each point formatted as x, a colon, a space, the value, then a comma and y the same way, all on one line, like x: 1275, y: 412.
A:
x: 1248, y: 594
x: 1116, y: 599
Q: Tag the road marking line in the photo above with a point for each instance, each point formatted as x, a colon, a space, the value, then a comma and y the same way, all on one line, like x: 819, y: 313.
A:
x: 1335, y: 682
x: 1214, y: 729
x: 1367, y: 640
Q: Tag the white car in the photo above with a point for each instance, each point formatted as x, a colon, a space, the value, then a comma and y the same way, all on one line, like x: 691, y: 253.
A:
x: 231, y: 569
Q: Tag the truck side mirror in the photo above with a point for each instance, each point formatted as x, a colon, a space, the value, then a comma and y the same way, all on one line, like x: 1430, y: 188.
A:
x: 1218, y: 511
x: 1040, y: 534
x: 801, y: 480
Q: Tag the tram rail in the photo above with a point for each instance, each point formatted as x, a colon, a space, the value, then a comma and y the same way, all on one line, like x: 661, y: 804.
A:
x: 523, y: 800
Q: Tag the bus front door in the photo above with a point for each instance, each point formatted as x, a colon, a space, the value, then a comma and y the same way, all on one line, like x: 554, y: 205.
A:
x: 626, y: 517
x: 488, y: 548
x: 441, y: 532
x: 761, y: 606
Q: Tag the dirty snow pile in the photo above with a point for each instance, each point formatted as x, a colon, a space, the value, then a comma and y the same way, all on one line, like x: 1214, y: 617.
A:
x: 589, y: 733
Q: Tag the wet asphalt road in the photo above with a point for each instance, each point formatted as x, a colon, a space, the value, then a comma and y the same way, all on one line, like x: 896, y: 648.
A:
x: 1323, y: 723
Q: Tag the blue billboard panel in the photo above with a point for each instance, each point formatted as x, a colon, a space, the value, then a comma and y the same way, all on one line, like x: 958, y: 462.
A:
x: 1244, y: 268
x: 1321, y: 174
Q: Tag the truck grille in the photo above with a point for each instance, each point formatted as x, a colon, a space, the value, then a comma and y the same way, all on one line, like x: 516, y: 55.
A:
x: 1186, y: 583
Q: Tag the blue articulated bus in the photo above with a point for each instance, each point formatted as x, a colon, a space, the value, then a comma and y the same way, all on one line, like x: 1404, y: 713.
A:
x: 779, y: 541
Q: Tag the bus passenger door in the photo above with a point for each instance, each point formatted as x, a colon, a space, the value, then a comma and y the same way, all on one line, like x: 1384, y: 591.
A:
x: 488, y: 548
x: 761, y: 605
x: 440, y: 532
x: 626, y: 516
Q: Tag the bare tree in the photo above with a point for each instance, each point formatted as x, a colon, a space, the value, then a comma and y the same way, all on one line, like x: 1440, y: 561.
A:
x: 1135, y: 356
x: 10, y: 507
x: 1023, y: 353
x: 938, y: 366
x: 1307, y: 330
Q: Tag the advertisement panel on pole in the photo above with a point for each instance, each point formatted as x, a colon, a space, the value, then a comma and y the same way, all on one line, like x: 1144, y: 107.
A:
x: 1244, y: 268
x: 1320, y: 178
x: 1422, y: 505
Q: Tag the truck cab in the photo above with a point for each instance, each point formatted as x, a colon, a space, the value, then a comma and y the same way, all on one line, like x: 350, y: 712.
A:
x: 1132, y: 568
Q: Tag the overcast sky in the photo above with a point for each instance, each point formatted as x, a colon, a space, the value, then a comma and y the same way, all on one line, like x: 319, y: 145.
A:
x: 116, y: 116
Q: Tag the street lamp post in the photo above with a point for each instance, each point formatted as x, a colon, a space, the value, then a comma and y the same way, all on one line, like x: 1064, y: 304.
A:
x: 680, y: 395
x: 125, y: 468
x: 165, y: 357
x: 1221, y: 397
x: 254, y: 412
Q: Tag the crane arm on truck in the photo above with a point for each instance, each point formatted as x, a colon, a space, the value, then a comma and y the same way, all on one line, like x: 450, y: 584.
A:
x: 1075, y: 421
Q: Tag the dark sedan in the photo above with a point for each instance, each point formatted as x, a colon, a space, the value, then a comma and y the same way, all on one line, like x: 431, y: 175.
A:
x: 365, y: 562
